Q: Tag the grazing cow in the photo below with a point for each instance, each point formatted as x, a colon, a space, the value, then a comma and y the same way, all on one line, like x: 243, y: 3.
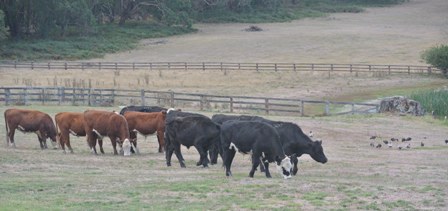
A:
x: 221, y: 118
x: 295, y: 143
x: 198, y: 131
x: 29, y: 121
x: 257, y: 138
x: 104, y: 123
x: 146, y: 124
x: 147, y: 109
x: 69, y: 123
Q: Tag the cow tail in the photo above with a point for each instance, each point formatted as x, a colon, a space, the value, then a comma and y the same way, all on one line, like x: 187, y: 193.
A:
x: 7, y: 130
x: 58, y: 137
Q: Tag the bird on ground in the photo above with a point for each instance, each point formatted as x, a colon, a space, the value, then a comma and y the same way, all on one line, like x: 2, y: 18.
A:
x: 372, y: 137
x: 372, y: 144
x: 422, y: 144
x: 378, y: 146
x: 446, y: 141
x: 385, y: 142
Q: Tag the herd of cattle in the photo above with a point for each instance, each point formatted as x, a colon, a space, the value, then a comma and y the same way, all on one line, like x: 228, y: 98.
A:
x: 222, y: 135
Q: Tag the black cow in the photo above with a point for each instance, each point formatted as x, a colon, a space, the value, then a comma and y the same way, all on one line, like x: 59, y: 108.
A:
x: 198, y: 131
x: 258, y: 138
x: 147, y: 109
x: 295, y: 143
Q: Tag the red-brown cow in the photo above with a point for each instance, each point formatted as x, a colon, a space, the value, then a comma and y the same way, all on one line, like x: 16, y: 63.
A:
x: 146, y: 124
x: 69, y: 123
x: 29, y: 121
x: 105, y: 123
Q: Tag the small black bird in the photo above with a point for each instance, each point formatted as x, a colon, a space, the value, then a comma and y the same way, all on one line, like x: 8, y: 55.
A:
x: 446, y: 141
x: 422, y: 144
x: 403, y: 139
x: 408, y: 139
x: 400, y: 148
x: 393, y: 139
x: 372, y: 144
x: 408, y: 146
x: 372, y: 137
x: 378, y: 146
x: 385, y: 142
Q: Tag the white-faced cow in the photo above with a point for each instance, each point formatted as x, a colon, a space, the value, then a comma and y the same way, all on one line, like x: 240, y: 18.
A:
x: 257, y: 138
x: 69, y: 123
x: 29, y: 121
x: 146, y: 124
x: 105, y: 123
x: 294, y: 142
x: 197, y: 131
x: 146, y: 109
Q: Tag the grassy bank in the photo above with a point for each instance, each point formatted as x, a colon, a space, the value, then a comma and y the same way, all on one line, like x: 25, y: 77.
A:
x: 106, y: 39
x: 433, y: 100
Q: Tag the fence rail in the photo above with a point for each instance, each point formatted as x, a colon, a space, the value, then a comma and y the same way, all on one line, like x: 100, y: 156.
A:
x: 202, y: 102
x: 319, y: 67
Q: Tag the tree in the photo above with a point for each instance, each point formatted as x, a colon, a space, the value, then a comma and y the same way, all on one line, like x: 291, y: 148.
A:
x: 3, y: 29
x: 437, y: 57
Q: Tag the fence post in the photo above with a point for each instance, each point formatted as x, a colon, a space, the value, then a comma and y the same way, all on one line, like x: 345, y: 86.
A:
x: 26, y: 95
x: 275, y: 66
x: 61, y: 94
x: 172, y: 99
x: 82, y: 65
x: 331, y: 69
x: 429, y: 71
x: 220, y: 65
x: 388, y: 68
x: 370, y: 68
x: 256, y: 66
x: 142, y: 96
x: 351, y: 68
x: 43, y: 96
x: 295, y: 69
x: 201, y: 102
x: 231, y: 104
x: 89, y: 97
x: 32, y: 65
x: 266, y: 106
x: 203, y: 66
x: 65, y: 65
x: 312, y: 67
x: 99, y: 65
x: 7, y: 96
x: 150, y: 66
x: 409, y: 70
x: 116, y: 66
x: 185, y: 65
x: 133, y: 65
x: 302, y: 108
x: 353, y: 108
x: 113, y: 96
x: 327, y: 108
x: 49, y: 65
x: 74, y: 96
x: 15, y: 64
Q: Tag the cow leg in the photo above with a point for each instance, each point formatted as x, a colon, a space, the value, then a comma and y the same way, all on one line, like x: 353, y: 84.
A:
x: 266, y: 165
x: 11, y: 138
x: 203, y: 159
x: 179, y: 155
x: 133, y: 140
x: 68, y: 146
x: 61, y: 141
x: 100, y: 143
x: 160, y: 139
x: 228, y: 156
x: 255, y: 163
x: 295, y: 161
x: 169, y: 154
x: 91, y: 140
x: 114, y: 144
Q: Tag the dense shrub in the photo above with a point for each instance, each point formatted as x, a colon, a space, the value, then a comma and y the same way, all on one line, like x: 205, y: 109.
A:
x: 438, y: 57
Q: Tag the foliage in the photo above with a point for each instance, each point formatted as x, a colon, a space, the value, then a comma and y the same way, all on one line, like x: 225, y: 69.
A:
x: 434, y: 100
x: 3, y: 31
x: 438, y: 57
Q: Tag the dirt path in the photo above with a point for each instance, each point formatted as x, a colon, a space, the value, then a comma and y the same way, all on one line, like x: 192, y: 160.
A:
x: 393, y: 35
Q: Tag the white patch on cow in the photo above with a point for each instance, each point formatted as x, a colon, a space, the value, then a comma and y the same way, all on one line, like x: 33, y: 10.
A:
x: 285, y: 165
x: 233, y: 146
x: 73, y: 132
x: 170, y: 109
x: 98, y: 134
x: 21, y: 129
x: 127, y: 147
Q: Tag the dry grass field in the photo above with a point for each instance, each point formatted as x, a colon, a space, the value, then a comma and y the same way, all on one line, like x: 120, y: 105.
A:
x: 356, y: 177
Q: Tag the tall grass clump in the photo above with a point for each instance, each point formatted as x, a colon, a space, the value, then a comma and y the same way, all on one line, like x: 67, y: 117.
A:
x: 435, y: 100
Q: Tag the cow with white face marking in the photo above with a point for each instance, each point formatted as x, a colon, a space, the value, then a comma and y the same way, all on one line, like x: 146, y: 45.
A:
x: 257, y: 138
x: 105, y: 123
x: 29, y: 121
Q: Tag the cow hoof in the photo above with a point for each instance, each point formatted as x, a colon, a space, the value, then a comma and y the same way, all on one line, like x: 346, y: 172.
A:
x: 198, y: 163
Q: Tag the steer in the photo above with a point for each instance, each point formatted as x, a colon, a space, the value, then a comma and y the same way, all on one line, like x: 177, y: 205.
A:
x: 197, y: 131
x: 147, y: 109
x: 146, y: 124
x: 29, y: 121
x: 294, y: 142
x: 104, y: 123
x: 69, y: 123
x: 257, y: 138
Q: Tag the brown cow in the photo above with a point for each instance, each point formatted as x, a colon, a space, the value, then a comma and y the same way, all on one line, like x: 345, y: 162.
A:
x: 146, y: 124
x: 69, y: 123
x: 105, y: 123
x: 29, y: 121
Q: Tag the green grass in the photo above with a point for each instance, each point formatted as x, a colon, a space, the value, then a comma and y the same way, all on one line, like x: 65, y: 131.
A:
x: 433, y: 100
x: 107, y: 39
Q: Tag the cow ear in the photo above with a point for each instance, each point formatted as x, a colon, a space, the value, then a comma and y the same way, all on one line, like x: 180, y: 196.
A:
x: 163, y: 111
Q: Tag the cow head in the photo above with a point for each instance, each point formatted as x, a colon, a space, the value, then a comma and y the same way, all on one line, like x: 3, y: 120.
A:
x: 284, y: 166
x: 317, y: 152
x: 127, y: 147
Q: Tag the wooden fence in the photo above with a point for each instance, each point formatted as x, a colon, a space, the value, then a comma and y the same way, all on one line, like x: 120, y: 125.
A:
x: 203, y: 102
x: 330, y: 68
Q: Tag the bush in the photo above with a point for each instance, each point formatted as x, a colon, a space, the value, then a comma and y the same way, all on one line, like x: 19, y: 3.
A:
x: 437, y: 57
x: 3, y: 30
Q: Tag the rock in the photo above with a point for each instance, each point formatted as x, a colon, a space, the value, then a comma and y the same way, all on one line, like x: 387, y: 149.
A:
x: 401, y: 105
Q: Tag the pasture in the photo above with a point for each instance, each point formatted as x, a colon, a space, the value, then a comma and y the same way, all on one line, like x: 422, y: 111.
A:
x: 357, y: 176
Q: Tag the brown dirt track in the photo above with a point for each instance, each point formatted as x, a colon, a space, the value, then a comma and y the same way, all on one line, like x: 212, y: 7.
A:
x: 357, y: 177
